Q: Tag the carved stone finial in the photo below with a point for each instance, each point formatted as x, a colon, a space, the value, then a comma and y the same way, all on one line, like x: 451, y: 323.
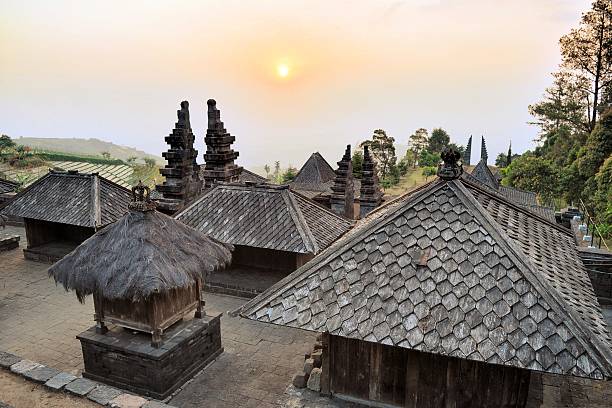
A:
x: 183, y: 116
x: 140, y: 198
x: 484, y: 154
x: 450, y: 168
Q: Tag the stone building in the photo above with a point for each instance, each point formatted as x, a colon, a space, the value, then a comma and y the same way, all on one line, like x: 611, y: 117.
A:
x: 449, y: 295
x: 371, y: 194
x: 274, y: 231
x: 62, y: 209
x: 219, y: 157
x: 342, y: 200
x: 182, y: 173
x: 315, y: 179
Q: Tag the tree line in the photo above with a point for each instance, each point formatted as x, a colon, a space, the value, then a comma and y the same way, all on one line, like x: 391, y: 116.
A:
x: 573, y: 160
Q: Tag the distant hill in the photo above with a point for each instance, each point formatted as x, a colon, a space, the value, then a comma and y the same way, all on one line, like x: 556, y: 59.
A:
x: 85, y: 146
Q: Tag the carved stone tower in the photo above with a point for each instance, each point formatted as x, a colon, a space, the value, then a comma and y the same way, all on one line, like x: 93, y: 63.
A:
x: 182, y: 173
x: 371, y: 195
x: 467, y: 155
x: 219, y: 156
x: 343, y: 195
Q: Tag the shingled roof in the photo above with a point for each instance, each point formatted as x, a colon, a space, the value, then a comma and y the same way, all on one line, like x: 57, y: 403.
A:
x: 81, y: 199
x: 456, y: 270
x: 246, y: 175
x: 7, y: 186
x: 315, y: 175
x: 265, y: 216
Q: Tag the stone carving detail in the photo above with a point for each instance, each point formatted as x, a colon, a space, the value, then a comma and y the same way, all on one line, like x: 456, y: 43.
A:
x: 182, y: 184
x: 219, y: 156
x: 371, y: 195
x: 343, y: 195
x: 450, y: 168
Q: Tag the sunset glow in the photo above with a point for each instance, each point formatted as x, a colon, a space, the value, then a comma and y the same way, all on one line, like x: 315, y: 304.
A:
x: 282, y: 70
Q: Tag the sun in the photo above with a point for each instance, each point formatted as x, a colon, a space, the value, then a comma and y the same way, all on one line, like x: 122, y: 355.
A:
x: 282, y: 70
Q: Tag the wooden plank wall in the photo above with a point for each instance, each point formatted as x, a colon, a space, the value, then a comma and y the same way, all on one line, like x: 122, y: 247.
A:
x: 407, y: 378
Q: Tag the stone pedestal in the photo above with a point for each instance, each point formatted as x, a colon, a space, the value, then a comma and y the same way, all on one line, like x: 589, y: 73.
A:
x: 127, y: 360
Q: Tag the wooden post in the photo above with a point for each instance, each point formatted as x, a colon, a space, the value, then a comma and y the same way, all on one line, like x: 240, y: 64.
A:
x: 99, y: 315
x: 325, y: 365
x: 199, y: 313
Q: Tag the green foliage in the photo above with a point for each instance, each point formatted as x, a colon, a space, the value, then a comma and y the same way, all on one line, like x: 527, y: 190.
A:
x: 417, y: 142
x: 267, y: 170
x: 131, y: 160
x: 57, y: 156
x: 536, y: 174
x: 438, y: 140
x: 357, y: 161
x: 149, y: 162
x: 6, y: 143
x: 289, y: 174
x: 427, y: 159
x: 597, y: 148
x: 429, y: 171
x: 106, y: 155
x: 502, y: 159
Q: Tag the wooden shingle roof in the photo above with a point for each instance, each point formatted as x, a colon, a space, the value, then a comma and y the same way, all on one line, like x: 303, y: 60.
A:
x: 315, y: 175
x: 265, y: 216
x: 81, y: 199
x: 7, y: 186
x: 455, y: 270
x: 249, y: 176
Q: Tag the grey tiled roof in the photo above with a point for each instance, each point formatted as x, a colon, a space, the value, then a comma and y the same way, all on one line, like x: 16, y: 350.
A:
x: 519, y: 196
x: 264, y: 216
x: 246, y: 175
x: 86, y: 200
x: 483, y: 173
x: 315, y: 175
x: 435, y: 271
x: 7, y: 186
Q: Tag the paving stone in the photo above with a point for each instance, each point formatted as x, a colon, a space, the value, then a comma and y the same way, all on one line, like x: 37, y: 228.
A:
x: 103, y: 394
x: 127, y: 401
x: 41, y: 374
x: 8, y: 359
x: 60, y: 380
x: 314, y: 380
x: 81, y: 386
x: 24, y: 366
x: 156, y: 404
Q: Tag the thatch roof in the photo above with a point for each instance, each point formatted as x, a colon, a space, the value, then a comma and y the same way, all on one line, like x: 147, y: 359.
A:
x: 141, y: 254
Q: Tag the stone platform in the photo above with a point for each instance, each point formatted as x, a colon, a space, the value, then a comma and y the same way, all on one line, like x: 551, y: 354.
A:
x: 126, y: 359
x: 48, y: 253
x: 8, y: 242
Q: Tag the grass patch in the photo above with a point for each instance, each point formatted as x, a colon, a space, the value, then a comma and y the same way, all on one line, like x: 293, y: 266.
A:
x: 412, y: 179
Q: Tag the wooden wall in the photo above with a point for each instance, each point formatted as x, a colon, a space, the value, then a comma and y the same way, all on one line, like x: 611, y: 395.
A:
x: 268, y: 258
x: 44, y: 232
x: 407, y: 378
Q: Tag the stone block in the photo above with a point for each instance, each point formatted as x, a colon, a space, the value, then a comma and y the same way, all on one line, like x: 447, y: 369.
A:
x: 308, y: 365
x: 314, y: 380
x: 60, y: 381
x: 317, y: 357
x: 41, y: 374
x: 156, y: 404
x: 103, y: 394
x: 299, y: 380
x: 24, y: 366
x: 81, y: 386
x: 127, y: 401
x: 8, y: 359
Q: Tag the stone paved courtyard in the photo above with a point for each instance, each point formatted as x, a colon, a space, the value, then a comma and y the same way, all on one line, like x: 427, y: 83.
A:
x: 39, y: 321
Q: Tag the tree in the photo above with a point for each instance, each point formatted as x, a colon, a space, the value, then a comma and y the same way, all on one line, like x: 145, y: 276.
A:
x: 427, y: 159
x: 149, y: 162
x: 357, y: 160
x: 6, y: 143
x: 267, y: 170
x: 509, y: 156
x: 587, y: 50
x: 289, y: 174
x: 536, y: 174
x: 429, y: 171
x: 383, y: 152
x: 131, y: 159
x: 106, y: 155
x: 438, y: 140
x: 597, y: 148
x: 416, y: 143
x: 277, y: 173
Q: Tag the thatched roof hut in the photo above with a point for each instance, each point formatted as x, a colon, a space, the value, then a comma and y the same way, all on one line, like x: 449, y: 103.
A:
x: 139, y: 261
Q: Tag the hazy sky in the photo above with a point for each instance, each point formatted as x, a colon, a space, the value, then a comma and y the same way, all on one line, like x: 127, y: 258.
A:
x: 117, y: 70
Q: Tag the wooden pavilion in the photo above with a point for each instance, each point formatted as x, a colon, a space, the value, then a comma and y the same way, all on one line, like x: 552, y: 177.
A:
x: 145, y: 275
x: 62, y: 209
x: 315, y: 179
x: 7, y: 190
x: 274, y: 231
x: 450, y: 295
